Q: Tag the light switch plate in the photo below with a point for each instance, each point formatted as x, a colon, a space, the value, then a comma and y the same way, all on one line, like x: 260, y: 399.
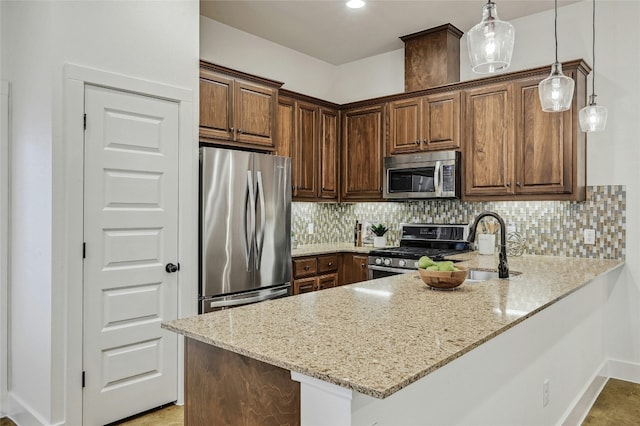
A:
x: 589, y: 236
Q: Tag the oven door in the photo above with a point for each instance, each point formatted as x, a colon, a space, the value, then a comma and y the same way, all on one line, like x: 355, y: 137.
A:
x: 385, y: 271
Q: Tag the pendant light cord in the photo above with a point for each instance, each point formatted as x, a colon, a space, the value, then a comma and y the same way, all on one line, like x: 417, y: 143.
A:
x: 555, y: 24
x: 593, y: 76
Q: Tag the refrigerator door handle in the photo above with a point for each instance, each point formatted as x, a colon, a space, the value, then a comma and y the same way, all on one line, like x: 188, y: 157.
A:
x: 247, y: 300
x: 260, y: 236
x: 249, y: 201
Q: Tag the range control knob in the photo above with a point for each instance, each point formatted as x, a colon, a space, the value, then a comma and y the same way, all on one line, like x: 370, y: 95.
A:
x: 387, y: 262
x: 402, y: 263
x: 378, y: 261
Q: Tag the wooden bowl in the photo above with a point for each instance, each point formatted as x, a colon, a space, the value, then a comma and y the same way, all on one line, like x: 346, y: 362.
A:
x: 442, y: 279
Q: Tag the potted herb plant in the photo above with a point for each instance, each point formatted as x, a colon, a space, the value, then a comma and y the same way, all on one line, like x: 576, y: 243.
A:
x: 380, y: 239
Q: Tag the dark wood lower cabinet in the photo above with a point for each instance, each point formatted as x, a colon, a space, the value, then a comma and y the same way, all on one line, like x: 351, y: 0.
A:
x: 225, y: 388
x: 354, y: 268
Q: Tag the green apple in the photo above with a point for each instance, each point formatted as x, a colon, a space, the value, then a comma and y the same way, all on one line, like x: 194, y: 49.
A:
x: 424, y: 262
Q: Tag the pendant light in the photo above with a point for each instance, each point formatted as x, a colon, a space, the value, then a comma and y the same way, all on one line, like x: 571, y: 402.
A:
x: 490, y: 43
x: 556, y: 91
x: 593, y: 117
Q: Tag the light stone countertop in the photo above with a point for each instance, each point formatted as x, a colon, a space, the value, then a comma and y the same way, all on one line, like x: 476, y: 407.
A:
x: 377, y: 337
x: 328, y: 248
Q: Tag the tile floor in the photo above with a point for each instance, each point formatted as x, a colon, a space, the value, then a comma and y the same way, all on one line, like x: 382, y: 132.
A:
x: 617, y: 405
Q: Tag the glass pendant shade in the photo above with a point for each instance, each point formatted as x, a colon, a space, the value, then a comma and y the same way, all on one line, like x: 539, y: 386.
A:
x: 490, y: 43
x: 593, y: 118
x: 556, y: 91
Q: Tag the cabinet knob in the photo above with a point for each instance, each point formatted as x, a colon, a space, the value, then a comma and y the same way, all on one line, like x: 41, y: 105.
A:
x: 363, y: 265
x: 231, y: 129
x: 239, y: 130
x: 380, y: 189
x: 306, y: 268
x: 330, y: 263
x: 424, y: 141
x: 518, y: 184
x: 508, y: 184
x: 417, y: 142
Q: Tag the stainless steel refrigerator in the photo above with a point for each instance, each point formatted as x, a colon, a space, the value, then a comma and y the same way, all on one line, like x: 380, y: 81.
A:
x: 245, y: 228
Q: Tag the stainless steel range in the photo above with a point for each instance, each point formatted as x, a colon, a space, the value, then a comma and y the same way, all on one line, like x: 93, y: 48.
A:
x: 417, y: 240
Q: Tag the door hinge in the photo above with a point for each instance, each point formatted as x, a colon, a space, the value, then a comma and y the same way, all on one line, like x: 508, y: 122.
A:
x: 84, y: 122
x: 83, y: 382
x: 84, y: 250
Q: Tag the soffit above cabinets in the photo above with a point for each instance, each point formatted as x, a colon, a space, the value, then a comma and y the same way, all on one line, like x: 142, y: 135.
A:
x: 329, y: 31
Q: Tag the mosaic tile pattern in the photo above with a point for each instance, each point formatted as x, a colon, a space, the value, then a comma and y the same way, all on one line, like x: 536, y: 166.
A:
x: 548, y: 227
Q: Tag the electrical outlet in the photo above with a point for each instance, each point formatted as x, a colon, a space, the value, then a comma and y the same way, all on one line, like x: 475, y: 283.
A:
x: 310, y: 228
x: 545, y: 392
x: 589, y: 236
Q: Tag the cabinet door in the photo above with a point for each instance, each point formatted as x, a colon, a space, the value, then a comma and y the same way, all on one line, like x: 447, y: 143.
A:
x: 285, y: 128
x: 362, y: 153
x: 355, y: 268
x: 305, y: 285
x: 306, y: 154
x: 489, y: 140
x: 328, y: 175
x: 404, y: 126
x: 441, y: 121
x: 254, y: 114
x: 216, y: 97
x: 544, y: 149
x: 327, y: 281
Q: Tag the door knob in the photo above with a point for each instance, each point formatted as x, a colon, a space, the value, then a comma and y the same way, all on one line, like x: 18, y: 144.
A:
x: 170, y: 268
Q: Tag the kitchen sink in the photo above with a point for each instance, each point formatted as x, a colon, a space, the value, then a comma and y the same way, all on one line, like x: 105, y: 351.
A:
x: 478, y: 275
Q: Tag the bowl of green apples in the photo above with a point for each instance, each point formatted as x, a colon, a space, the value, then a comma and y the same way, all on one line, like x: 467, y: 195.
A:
x: 442, y: 275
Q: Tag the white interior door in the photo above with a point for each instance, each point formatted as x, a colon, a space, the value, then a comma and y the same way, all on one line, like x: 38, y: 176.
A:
x: 131, y: 233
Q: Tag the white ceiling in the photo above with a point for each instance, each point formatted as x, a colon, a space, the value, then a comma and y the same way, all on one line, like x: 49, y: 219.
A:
x: 330, y: 31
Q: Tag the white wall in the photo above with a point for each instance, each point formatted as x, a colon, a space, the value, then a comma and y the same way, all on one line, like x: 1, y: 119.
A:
x: 232, y: 48
x: 156, y: 41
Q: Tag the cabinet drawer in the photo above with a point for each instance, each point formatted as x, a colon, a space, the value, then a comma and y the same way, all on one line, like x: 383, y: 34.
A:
x: 327, y: 263
x: 304, y: 267
x: 305, y: 285
x: 327, y: 281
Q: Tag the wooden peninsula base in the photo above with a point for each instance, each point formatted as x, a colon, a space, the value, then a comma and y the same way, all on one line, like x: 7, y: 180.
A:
x: 222, y: 387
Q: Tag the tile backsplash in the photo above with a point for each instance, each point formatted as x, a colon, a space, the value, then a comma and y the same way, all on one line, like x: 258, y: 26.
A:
x: 547, y: 227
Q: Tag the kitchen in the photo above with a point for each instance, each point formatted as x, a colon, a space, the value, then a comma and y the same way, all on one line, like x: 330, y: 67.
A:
x: 620, y: 168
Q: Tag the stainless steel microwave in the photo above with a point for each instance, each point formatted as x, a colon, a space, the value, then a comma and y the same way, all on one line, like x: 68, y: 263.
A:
x: 422, y: 175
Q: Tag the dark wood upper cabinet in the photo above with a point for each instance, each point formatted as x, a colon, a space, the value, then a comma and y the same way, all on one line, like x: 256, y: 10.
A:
x: 308, y: 132
x: 544, y: 150
x: 515, y: 151
x: 237, y: 109
x: 489, y: 140
x: 441, y: 121
x: 306, y: 151
x: 427, y: 123
x: 216, y: 105
x: 362, y: 154
x: 285, y: 128
x: 329, y: 154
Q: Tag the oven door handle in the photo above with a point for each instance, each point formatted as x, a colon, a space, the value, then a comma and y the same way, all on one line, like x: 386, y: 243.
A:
x: 387, y: 269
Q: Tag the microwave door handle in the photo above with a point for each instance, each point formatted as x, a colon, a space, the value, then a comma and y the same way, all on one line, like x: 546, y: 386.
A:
x: 437, y: 175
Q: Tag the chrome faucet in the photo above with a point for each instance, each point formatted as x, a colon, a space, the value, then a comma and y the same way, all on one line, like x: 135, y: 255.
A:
x: 503, y: 266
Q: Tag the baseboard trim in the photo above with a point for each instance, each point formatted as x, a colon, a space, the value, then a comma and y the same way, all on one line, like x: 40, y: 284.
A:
x: 623, y: 370
x: 22, y: 414
x: 610, y: 369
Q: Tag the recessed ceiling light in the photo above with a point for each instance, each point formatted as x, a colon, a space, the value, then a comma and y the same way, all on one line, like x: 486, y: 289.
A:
x: 355, y: 4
